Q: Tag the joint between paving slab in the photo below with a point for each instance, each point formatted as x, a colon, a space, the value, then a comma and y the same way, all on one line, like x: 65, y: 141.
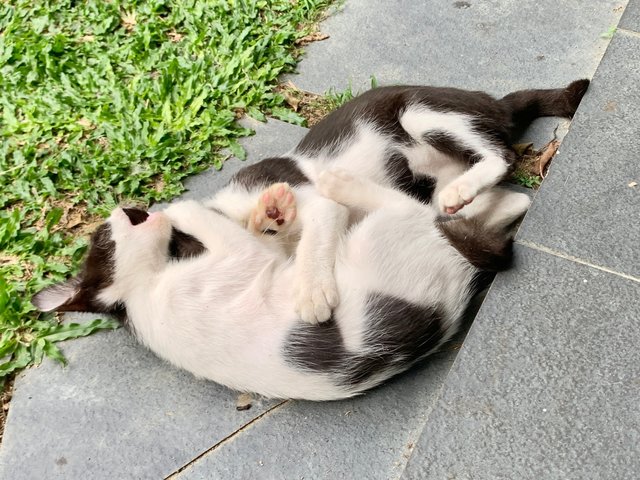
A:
x: 571, y: 258
x: 224, y: 440
x: 631, y: 33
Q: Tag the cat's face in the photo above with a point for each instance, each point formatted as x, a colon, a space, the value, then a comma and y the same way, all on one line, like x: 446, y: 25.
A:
x: 131, y: 245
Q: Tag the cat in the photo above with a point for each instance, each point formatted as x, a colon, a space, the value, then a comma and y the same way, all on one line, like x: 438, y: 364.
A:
x: 204, y: 286
x: 420, y: 140
x: 228, y: 313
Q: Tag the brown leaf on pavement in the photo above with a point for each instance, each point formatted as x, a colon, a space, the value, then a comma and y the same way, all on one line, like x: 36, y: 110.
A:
x: 546, y: 154
x: 312, y: 37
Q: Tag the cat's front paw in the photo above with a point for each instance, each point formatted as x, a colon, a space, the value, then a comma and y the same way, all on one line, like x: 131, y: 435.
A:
x: 336, y: 184
x: 316, y: 297
x: 455, y: 196
x: 276, y: 209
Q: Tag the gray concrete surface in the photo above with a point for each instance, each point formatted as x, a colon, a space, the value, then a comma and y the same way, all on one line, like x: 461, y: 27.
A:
x: 631, y: 18
x: 365, y: 438
x: 117, y: 411
x: 553, y: 341
x: 546, y: 384
x: 497, y: 45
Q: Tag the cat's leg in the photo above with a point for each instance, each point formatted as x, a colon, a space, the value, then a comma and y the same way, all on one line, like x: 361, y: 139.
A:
x: 357, y: 192
x: 323, y: 222
x: 463, y: 190
x: 275, y: 211
x: 454, y: 135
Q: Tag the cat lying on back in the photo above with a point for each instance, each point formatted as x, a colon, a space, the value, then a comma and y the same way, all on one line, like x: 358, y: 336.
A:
x: 420, y: 140
x: 229, y: 315
x: 227, y: 311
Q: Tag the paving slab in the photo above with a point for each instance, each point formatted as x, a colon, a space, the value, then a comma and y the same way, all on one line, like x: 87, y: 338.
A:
x: 116, y: 411
x: 587, y: 207
x: 546, y: 384
x: 366, y: 437
x: 496, y: 46
x: 631, y: 18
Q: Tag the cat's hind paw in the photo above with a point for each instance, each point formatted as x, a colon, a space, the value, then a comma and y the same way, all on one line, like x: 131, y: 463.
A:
x: 455, y: 196
x: 275, y: 211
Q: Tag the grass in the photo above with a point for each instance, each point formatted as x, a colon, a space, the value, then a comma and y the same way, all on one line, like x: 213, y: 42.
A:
x: 312, y: 107
x: 522, y: 177
x: 108, y: 102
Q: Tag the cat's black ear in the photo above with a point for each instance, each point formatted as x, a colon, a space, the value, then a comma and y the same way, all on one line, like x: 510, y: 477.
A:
x: 58, y: 297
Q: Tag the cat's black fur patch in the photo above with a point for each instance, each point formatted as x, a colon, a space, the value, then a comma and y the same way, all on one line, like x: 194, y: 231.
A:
x: 269, y: 171
x: 96, y: 275
x: 420, y: 187
x: 136, y: 215
x: 446, y: 143
x: 398, y: 334
x: 183, y: 245
x: 490, y: 250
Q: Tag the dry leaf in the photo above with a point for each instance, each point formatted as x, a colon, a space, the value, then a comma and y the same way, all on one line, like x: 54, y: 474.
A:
x: 546, y: 154
x: 74, y: 219
x: 87, y: 38
x: 291, y: 99
x: 313, y: 37
x: 175, y: 36
x: 244, y: 401
x: 86, y: 123
x: 128, y: 20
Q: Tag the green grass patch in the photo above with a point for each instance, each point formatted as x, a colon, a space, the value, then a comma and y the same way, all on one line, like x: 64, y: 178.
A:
x: 522, y: 177
x: 105, y: 102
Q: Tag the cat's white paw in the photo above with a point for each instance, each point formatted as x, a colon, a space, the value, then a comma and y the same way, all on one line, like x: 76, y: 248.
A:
x: 316, y: 297
x: 455, y: 196
x: 335, y: 184
x: 276, y: 209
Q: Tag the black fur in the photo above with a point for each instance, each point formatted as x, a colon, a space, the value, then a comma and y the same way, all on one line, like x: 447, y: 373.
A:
x: 399, y: 334
x: 270, y: 171
x: 183, y: 245
x: 418, y: 186
x: 96, y: 275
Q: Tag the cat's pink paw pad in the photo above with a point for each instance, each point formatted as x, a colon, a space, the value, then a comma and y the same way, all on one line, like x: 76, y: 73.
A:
x: 276, y: 209
x: 455, y: 196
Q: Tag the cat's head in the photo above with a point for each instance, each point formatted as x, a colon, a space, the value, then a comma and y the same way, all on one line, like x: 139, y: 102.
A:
x: 123, y: 252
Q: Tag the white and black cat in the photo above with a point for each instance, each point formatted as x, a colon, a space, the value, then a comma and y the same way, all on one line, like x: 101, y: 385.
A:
x: 205, y: 292
x: 229, y: 315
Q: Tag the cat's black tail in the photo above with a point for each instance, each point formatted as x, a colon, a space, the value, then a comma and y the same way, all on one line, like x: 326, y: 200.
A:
x: 527, y: 105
